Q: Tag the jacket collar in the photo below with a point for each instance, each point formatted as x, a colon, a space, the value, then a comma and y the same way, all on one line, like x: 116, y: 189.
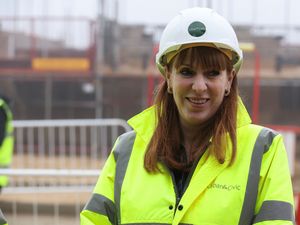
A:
x: 144, y: 123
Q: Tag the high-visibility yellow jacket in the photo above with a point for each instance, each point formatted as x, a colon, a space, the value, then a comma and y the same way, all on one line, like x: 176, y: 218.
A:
x: 6, y: 147
x: 2, y: 219
x: 256, y: 189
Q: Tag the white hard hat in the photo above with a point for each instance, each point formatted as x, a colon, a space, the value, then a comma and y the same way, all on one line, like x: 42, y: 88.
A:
x: 198, y: 27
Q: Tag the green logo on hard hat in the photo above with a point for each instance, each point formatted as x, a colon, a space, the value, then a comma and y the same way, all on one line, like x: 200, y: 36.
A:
x: 196, y: 29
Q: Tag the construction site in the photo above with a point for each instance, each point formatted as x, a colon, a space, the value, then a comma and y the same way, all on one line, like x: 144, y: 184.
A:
x: 74, y: 81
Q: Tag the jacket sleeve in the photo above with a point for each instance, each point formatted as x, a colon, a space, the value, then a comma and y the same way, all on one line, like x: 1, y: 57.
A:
x: 101, y: 209
x: 275, y: 201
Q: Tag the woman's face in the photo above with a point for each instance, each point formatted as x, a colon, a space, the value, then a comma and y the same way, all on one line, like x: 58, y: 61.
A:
x: 198, y: 92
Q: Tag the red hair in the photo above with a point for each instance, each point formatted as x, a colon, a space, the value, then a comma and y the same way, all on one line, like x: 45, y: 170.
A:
x: 165, y: 144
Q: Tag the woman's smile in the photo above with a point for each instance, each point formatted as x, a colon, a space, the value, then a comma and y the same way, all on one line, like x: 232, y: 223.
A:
x: 197, y: 102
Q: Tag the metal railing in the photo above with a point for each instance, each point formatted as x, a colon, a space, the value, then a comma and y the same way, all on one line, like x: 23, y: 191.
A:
x: 55, y: 167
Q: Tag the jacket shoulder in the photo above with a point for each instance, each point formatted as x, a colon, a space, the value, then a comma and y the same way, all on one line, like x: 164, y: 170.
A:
x: 124, y: 144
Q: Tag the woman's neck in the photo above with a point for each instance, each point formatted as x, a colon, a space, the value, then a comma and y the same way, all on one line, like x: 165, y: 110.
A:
x: 195, y: 137
x: 191, y: 139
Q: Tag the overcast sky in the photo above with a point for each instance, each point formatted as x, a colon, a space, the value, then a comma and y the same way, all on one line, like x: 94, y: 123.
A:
x: 161, y: 11
x: 154, y: 12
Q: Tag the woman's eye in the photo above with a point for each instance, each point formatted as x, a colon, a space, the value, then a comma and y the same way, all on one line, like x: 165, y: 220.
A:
x: 213, y: 73
x: 186, y: 72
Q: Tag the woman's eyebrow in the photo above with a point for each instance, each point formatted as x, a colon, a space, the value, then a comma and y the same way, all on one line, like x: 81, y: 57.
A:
x: 185, y: 64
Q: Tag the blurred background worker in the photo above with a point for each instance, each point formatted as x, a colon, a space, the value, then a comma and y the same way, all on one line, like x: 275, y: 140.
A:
x: 6, y: 138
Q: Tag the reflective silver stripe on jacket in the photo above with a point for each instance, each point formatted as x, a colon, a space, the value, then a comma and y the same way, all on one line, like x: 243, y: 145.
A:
x: 262, y: 145
x: 10, y: 134
x: 122, y: 155
x: 4, y: 166
x: 2, y: 219
x: 102, y: 205
x: 275, y: 210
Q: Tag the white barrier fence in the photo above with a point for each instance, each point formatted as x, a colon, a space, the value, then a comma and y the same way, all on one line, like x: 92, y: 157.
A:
x: 55, y: 166
x: 64, y: 144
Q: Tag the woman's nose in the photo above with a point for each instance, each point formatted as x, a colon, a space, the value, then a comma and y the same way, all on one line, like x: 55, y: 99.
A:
x: 199, y: 83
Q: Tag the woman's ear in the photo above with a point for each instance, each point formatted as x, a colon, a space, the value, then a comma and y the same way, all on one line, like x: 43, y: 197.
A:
x: 230, y: 77
x: 168, y: 79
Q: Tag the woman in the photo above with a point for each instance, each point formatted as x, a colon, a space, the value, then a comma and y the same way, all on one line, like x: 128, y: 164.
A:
x: 194, y: 157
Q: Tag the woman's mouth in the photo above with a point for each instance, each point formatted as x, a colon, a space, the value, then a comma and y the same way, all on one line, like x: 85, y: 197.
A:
x: 198, y: 101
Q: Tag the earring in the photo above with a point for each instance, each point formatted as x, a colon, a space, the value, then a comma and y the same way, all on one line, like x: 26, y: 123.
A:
x: 170, y: 91
x: 227, y: 92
